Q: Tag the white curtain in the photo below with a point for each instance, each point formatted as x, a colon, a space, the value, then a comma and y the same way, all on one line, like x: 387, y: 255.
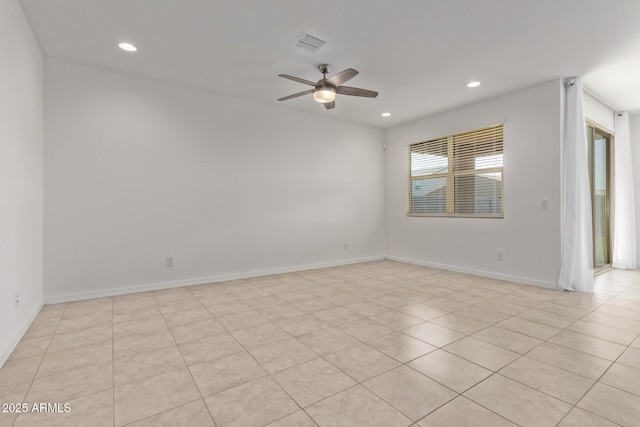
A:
x: 624, y: 240
x: 576, y: 270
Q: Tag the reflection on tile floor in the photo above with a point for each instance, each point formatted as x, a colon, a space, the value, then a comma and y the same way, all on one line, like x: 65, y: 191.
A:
x: 373, y: 344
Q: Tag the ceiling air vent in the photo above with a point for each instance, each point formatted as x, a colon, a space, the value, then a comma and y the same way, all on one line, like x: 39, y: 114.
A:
x: 308, y: 42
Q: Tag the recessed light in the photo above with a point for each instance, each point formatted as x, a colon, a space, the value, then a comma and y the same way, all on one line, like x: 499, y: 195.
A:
x: 385, y: 114
x: 127, y: 46
x: 473, y: 84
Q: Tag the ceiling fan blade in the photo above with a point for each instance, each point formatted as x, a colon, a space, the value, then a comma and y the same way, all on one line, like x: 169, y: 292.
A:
x: 330, y: 105
x: 355, y: 91
x: 298, y: 79
x: 343, y: 77
x: 295, y: 95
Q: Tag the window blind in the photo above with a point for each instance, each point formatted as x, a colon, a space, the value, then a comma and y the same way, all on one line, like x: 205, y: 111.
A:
x: 458, y: 175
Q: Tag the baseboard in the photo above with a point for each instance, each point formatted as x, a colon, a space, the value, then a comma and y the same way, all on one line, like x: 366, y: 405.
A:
x: 54, y: 299
x: 487, y: 274
x: 4, y: 355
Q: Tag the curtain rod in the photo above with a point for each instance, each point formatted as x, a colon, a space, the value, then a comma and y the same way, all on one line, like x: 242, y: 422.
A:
x: 599, y: 99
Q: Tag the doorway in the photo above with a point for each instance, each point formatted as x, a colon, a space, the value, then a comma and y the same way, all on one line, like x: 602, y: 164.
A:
x: 599, y: 157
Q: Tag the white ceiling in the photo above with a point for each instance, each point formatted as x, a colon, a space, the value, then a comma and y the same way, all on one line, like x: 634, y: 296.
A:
x: 419, y: 54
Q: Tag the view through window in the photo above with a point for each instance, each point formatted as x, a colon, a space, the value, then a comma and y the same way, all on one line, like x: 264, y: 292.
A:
x: 458, y: 175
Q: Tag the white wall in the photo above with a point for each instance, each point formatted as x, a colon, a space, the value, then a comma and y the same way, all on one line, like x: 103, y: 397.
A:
x: 21, y: 146
x: 528, y: 236
x: 634, y: 130
x: 137, y: 170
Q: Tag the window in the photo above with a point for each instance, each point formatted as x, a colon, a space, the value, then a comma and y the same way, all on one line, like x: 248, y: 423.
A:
x: 458, y: 175
x: 599, y: 157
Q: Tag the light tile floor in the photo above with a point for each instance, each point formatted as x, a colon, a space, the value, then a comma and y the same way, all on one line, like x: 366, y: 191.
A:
x: 373, y: 344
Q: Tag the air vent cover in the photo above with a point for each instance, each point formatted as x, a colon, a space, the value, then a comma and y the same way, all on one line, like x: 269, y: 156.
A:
x: 308, y: 42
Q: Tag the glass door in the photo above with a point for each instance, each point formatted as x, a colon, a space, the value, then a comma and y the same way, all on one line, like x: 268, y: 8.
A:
x: 599, y: 152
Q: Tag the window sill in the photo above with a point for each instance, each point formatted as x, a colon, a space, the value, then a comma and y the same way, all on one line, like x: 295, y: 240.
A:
x: 488, y: 216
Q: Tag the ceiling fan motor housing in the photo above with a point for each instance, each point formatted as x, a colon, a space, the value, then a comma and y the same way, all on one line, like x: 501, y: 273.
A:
x: 323, y: 84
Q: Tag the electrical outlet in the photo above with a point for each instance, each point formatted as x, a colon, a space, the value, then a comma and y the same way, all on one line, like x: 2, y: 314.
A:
x: 500, y: 256
x: 17, y: 299
x: 346, y: 246
x: 169, y: 262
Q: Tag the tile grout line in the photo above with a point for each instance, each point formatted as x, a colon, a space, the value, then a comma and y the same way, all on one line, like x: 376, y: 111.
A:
x: 599, y: 382
x: 320, y: 356
x: 546, y: 341
x: 385, y: 289
x: 162, y: 314
x: 258, y: 363
x: 520, y: 355
x: 35, y: 375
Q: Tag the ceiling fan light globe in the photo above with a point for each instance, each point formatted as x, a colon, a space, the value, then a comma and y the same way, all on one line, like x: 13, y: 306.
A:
x: 324, y: 95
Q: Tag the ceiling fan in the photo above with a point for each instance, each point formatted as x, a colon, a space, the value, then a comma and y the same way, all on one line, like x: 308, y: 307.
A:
x: 325, y: 90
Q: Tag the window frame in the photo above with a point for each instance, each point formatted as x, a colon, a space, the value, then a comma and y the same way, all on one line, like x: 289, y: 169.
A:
x: 450, y: 176
x: 610, y: 136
